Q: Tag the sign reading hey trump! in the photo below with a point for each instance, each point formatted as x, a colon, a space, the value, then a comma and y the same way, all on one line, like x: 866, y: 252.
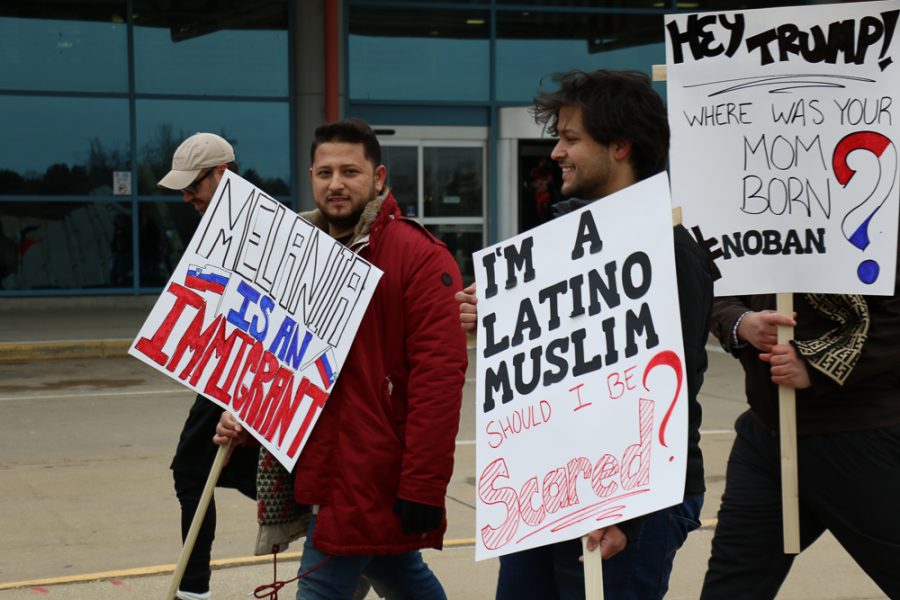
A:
x: 259, y: 315
x: 581, y: 399
x: 784, y: 144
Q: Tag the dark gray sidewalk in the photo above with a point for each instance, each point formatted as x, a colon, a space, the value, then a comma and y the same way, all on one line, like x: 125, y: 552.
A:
x: 76, y: 327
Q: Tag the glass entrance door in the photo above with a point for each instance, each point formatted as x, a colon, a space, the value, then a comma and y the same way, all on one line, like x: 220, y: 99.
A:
x: 441, y: 184
x: 541, y: 179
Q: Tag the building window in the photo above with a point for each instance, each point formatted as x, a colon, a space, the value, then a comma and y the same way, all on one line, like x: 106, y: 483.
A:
x: 62, y: 146
x: 441, y: 184
x: 435, y: 55
x: 77, y: 211
x: 533, y: 45
x: 237, y: 49
x: 65, y: 245
x: 64, y: 46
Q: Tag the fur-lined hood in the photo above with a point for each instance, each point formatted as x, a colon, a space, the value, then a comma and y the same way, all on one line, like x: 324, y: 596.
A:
x: 363, y: 227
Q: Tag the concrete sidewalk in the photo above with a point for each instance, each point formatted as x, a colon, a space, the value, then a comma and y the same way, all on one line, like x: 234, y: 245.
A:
x: 821, y: 573
x: 70, y: 327
x: 44, y: 504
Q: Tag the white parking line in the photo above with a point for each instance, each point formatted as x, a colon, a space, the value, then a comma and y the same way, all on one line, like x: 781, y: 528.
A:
x: 95, y: 395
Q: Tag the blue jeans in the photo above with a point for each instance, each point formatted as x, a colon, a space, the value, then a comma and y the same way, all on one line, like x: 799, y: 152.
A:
x: 395, y: 576
x: 639, y: 572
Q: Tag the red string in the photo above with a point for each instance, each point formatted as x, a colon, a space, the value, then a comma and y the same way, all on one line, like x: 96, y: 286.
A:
x: 270, y: 590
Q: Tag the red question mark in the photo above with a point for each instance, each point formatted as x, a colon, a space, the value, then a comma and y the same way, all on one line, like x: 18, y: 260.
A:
x: 669, y: 359
x: 878, y: 145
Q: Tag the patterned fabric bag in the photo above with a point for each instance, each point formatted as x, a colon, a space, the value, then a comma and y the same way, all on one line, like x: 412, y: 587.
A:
x: 281, y: 519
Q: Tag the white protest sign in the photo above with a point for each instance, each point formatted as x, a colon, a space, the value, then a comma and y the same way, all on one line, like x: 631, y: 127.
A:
x: 259, y: 315
x: 784, y: 144
x: 581, y: 400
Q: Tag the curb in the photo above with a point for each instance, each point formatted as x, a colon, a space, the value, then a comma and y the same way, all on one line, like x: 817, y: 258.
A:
x: 221, y: 563
x: 63, y: 349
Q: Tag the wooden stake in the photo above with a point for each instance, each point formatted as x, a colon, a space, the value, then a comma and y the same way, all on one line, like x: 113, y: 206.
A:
x: 787, y: 412
x: 593, y: 572
x: 205, y: 498
x: 659, y: 72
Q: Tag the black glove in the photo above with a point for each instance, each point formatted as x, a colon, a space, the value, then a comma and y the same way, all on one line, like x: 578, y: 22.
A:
x: 418, y: 518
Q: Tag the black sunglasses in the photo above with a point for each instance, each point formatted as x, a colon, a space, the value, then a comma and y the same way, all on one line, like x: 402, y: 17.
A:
x: 192, y: 189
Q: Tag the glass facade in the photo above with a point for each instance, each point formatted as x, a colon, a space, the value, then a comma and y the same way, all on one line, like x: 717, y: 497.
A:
x: 454, y: 180
x: 460, y: 62
x: 58, y: 245
x: 55, y: 46
x: 94, y: 98
x: 58, y: 145
x: 532, y: 45
x: 440, y: 183
x: 446, y: 49
x: 96, y: 94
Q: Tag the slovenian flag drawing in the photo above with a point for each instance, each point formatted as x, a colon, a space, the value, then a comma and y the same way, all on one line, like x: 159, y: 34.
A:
x: 326, y: 365
x: 206, y: 279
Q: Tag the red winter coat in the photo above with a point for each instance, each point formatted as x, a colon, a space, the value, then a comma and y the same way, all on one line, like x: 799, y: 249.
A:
x: 389, y: 427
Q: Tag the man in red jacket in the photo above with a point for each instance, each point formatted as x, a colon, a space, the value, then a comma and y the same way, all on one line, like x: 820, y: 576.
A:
x: 376, y: 466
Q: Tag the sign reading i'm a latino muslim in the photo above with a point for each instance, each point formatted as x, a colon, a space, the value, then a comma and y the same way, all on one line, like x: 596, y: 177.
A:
x: 785, y: 123
x: 259, y: 315
x: 581, y: 396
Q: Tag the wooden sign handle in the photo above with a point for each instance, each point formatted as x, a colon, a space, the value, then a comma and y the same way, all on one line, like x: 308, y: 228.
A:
x: 205, y: 499
x: 787, y: 413
x: 593, y: 572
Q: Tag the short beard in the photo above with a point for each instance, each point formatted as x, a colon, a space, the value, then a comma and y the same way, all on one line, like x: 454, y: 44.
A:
x: 350, y: 221
x: 346, y: 222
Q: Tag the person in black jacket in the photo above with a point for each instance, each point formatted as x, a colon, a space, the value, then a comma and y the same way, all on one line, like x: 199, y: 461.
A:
x: 843, y: 363
x: 197, y: 166
x: 613, y: 132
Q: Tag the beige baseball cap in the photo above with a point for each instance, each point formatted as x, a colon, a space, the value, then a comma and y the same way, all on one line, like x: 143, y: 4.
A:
x: 198, y: 152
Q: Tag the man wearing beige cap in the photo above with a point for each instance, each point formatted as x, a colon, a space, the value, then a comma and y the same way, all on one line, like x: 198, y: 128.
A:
x: 197, y: 167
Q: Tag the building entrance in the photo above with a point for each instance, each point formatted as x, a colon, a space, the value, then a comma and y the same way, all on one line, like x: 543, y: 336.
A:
x: 437, y: 175
x: 541, y: 179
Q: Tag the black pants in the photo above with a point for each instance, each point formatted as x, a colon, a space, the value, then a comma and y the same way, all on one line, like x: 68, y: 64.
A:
x: 190, y: 468
x: 849, y: 484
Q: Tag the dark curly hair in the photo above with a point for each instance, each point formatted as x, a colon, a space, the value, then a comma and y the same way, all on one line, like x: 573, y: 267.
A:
x: 615, y: 105
x: 353, y: 131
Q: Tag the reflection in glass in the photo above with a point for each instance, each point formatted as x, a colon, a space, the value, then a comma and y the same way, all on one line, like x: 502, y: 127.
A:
x: 533, y: 45
x: 453, y: 182
x: 165, y: 230
x: 461, y: 241
x: 624, y: 4
x: 259, y: 132
x: 541, y: 183
x: 62, y: 146
x: 403, y: 176
x: 720, y: 5
x: 186, y: 48
x: 447, y: 51
x: 51, y: 245
x: 64, y: 46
